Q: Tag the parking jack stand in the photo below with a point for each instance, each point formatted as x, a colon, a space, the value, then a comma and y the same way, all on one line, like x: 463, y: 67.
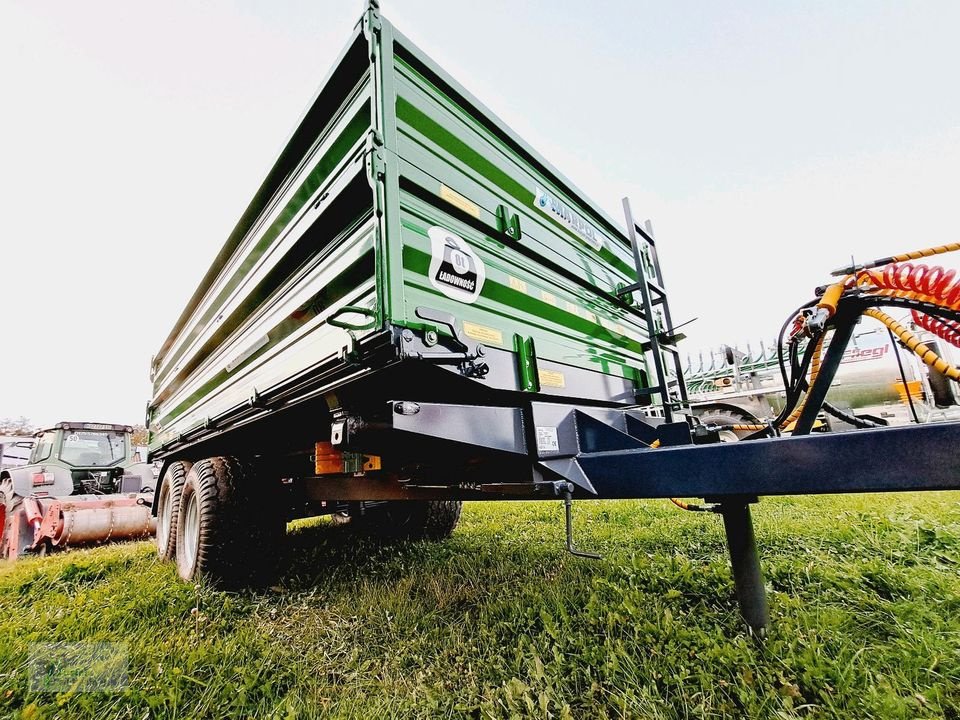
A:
x: 568, y: 512
x: 745, y: 562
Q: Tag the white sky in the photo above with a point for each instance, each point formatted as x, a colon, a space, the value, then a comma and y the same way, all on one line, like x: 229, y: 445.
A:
x: 767, y: 141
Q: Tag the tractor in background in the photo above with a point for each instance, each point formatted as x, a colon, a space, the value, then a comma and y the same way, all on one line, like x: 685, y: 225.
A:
x: 83, y: 483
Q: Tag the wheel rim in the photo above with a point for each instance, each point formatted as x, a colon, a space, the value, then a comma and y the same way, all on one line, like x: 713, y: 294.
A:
x: 728, y: 436
x: 190, y: 539
x: 163, y: 518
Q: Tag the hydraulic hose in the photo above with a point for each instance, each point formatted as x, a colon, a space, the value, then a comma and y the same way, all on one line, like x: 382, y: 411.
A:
x: 814, y: 371
x: 913, y: 344
x: 927, y: 252
x: 914, y: 255
x: 934, y: 283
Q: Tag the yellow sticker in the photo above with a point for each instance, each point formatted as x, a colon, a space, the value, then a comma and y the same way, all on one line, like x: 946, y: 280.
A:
x: 482, y: 333
x: 587, y: 315
x: 551, y: 378
x: 572, y: 308
x: 518, y: 284
x: 459, y: 201
x: 548, y: 297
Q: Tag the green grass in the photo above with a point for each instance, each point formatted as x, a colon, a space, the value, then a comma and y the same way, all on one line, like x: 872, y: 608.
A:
x: 499, y: 622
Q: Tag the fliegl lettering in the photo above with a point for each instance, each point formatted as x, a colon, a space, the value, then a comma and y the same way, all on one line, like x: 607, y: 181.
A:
x: 855, y: 354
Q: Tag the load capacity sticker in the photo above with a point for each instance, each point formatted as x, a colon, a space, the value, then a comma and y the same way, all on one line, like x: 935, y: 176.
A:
x: 455, y: 269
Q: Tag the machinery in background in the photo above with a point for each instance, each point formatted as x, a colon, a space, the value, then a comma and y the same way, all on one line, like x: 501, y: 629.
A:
x: 82, y: 483
x: 14, y: 451
x: 733, y: 386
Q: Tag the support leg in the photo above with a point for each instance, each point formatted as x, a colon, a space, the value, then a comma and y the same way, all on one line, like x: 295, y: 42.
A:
x: 745, y: 561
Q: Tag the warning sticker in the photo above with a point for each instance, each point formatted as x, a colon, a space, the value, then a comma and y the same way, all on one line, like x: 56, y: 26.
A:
x: 551, y: 378
x: 482, y: 333
x: 518, y: 284
x: 459, y: 201
x: 455, y: 270
x: 547, y: 439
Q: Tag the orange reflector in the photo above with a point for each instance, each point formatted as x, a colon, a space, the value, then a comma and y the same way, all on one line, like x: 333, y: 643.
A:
x: 330, y: 461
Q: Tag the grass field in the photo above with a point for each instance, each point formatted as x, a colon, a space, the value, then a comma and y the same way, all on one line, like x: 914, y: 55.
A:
x: 499, y: 622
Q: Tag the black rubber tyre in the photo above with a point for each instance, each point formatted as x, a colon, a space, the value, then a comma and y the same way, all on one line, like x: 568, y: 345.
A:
x: 410, y: 519
x: 229, y: 528
x: 726, y: 419
x: 168, y: 507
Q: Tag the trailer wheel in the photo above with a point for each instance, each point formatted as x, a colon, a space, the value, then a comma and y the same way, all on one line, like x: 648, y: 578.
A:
x: 726, y: 421
x: 411, y: 519
x: 225, y: 530
x: 168, y: 507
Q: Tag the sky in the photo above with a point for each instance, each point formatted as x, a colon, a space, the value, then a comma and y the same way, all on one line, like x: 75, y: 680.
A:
x: 768, y: 141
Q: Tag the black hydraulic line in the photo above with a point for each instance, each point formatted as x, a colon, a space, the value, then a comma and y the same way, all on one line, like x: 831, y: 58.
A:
x: 793, y: 387
x: 910, y: 304
x: 857, y: 422
x: 903, y: 375
x: 844, y: 322
x: 783, y: 330
x: 797, y: 382
x: 745, y: 563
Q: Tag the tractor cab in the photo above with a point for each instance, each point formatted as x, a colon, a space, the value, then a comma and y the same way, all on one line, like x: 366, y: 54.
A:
x: 81, y: 458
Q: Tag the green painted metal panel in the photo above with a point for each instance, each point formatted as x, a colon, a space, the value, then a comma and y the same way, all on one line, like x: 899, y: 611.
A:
x: 462, y: 170
x: 397, y: 191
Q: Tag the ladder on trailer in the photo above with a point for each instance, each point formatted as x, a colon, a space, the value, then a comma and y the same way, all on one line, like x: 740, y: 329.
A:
x: 660, y: 328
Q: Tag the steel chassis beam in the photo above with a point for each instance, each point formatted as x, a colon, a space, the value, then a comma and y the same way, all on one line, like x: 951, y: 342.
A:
x: 607, y: 453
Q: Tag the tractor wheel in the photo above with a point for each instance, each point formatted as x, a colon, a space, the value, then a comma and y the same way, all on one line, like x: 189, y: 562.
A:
x: 9, y: 502
x: 168, y: 507
x: 411, y: 519
x: 726, y: 420
x: 228, y: 528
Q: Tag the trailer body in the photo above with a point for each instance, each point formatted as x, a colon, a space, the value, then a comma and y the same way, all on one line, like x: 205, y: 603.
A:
x: 398, y: 203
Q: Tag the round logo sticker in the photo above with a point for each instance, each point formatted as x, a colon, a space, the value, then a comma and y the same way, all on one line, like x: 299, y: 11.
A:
x: 455, y: 269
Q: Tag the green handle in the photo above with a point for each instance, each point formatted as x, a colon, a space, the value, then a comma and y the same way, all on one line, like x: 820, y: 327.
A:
x: 332, y: 320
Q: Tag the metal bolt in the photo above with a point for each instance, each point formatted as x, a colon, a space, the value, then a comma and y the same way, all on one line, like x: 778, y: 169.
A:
x: 430, y: 338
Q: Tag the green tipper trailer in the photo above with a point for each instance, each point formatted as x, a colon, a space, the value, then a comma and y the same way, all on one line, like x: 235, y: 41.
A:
x: 417, y: 309
x: 405, y: 245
